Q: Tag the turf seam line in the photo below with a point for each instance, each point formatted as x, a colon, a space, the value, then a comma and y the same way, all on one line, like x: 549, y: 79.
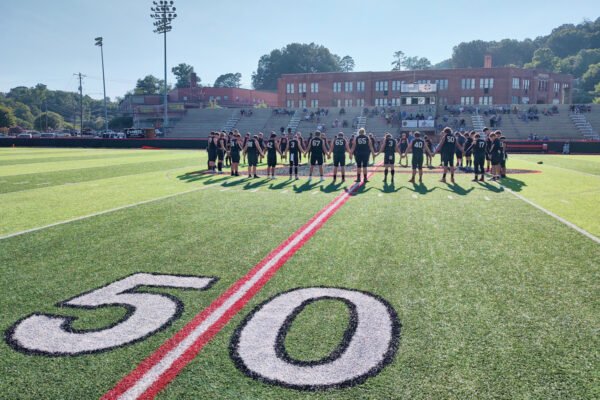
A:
x: 162, y: 366
x: 550, y: 213
x: 39, y: 228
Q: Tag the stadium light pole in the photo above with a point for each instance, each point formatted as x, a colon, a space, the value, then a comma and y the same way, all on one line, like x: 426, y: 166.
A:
x: 163, y: 13
x: 99, y: 43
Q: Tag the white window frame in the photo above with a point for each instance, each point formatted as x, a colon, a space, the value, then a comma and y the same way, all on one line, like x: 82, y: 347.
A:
x: 360, y: 86
x: 314, y: 87
x: 348, y: 86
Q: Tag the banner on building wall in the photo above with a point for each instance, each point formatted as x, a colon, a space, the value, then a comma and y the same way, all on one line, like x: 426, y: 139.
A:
x: 418, y: 87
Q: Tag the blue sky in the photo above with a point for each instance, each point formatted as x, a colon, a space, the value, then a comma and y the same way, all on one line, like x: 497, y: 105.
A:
x: 48, y: 41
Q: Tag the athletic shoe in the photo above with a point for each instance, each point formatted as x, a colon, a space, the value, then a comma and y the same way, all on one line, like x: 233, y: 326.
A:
x: 297, y: 177
x: 256, y: 176
x: 412, y: 180
x: 474, y: 180
x: 481, y: 179
x: 443, y: 180
x: 452, y: 180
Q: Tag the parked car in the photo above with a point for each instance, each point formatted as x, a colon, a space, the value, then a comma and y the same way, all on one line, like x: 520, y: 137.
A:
x: 48, y: 135
x: 25, y: 136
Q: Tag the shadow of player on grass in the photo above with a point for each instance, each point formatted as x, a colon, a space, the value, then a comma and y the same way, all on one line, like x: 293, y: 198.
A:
x: 235, y: 183
x: 332, y: 187
x: 255, y: 184
x: 513, y: 184
x: 280, y: 185
x: 490, y: 187
x: 459, y: 190
x: 421, y: 188
x: 193, y: 176
x: 306, y: 186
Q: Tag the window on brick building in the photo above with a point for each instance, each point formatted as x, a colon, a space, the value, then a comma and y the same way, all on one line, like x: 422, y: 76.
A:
x: 360, y: 86
x: 442, y: 84
x: 486, y: 83
x: 526, y: 84
x: 396, y: 85
x: 516, y: 83
x: 302, y: 88
x: 381, y: 86
x: 337, y: 87
x: 486, y: 100
x: 301, y: 103
x: 314, y: 87
x: 290, y: 104
x: 347, y: 86
x: 360, y: 102
x: 467, y: 100
x: 289, y: 88
x: 314, y: 103
x: 467, y: 83
x: 515, y: 100
x: 348, y: 103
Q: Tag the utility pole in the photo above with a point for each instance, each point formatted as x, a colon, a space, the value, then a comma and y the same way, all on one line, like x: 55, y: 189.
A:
x: 80, y: 103
x: 99, y: 43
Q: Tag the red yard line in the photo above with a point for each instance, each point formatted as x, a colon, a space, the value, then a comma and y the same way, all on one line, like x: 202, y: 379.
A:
x: 161, y: 367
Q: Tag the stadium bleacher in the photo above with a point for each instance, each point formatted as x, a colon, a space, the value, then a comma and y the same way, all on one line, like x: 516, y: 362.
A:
x: 514, y: 124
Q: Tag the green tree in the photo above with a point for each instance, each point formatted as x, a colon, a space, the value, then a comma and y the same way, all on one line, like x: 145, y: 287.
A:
x: 23, y: 112
x: 346, y: 64
x: 230, y: 80
x: 469, y: 54
x: 183, y: 73
x: 149, y: 85
x: 48, y: 120
x: 416, y: 63
x: 591, y: 78
x: 445, y: 64
x: 597, y: 94
x: 7, y: 118
x: 567, y: 41
x: 398, y: 62
x: 293, y: 58
x: 544, y: 59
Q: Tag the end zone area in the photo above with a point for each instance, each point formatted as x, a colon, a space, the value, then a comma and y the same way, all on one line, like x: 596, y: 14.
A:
x: 493, y: 297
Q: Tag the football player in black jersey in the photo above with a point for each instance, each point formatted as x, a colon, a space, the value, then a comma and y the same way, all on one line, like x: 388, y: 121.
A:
x: 362, y: 148
x: 212, y: 151
x: 403, y: 147
x: 316, y: 149
x: 294, y: 149
x: 221, y: 150
x: 339, y: 149
x: 253, y: 149
x: 504, y: 157
x: 234, y: 151
x: 479, y: 152
x: 272, y: 147
x: 389, y: 149
x: 447, y: 147
x: 418, y: 147
x: 261, y: 143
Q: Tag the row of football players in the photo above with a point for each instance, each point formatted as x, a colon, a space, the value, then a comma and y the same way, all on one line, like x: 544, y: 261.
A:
x: 360, y: 147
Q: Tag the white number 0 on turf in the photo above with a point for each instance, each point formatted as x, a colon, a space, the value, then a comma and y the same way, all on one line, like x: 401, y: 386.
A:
x: 146, y: 314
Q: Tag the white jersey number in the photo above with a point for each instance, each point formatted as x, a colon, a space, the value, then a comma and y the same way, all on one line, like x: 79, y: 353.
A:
x: 147, y: 313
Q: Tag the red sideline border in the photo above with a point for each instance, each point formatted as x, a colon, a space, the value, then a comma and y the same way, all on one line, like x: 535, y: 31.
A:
x: 134, y: 376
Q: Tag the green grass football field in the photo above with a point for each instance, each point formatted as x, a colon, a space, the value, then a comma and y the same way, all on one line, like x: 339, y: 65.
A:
x: 486, y: 295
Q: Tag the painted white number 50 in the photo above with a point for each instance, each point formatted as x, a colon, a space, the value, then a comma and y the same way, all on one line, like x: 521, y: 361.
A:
x: 147, y: 313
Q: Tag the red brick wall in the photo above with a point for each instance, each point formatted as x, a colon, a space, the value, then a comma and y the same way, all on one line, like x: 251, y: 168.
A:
x: 502, y: 91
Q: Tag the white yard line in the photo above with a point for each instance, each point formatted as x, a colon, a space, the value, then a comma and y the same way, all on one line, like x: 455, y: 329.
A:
x: 139, y: 203
x: 550, y: 213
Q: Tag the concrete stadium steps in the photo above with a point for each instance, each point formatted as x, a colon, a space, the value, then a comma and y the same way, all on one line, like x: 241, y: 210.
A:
x: 558, y: 126
x: 594, y: 118
x: 200, y: 122
x: 327, y: 120
x: 378, y: 126
x: 275, y: 122
x: 255, y: 123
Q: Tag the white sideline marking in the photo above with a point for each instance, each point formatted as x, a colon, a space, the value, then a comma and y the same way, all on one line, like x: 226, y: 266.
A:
x: 487, y: 198
x: 39, y: 228
x: 254, y: 190
x: 380, y: 195
x: 414, y: 196
x: 561, y: 219
x: 225, y: 189
x: 284, y: 191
